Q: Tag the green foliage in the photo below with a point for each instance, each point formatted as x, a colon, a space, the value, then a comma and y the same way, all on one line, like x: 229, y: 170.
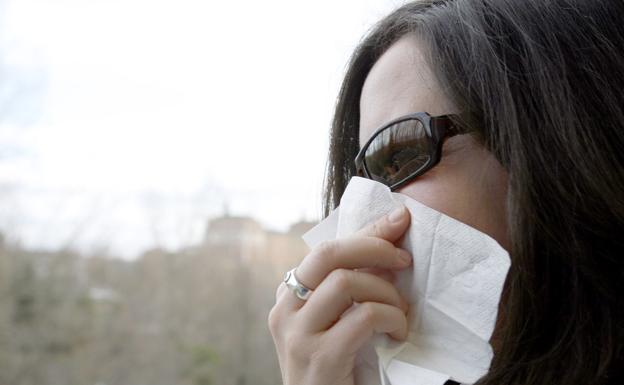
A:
x: 163, y: 319
x: 203, y: 360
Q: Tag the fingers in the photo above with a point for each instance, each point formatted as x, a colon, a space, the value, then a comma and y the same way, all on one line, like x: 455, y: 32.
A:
x: 359, y: 324
x: 350, y: 253
x: 339, y: 291
x: 386, y: 275
x: 347, y: 306
x: 365, y: 251
x: 287, y: 300
x: 280, y: 290
x: 389, y: 227
x: 370, y: 247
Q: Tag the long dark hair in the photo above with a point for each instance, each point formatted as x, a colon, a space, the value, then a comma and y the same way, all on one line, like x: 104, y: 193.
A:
x: 544, y: 83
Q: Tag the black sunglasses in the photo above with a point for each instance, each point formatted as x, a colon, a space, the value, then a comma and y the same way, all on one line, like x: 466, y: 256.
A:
x: 405, y: 148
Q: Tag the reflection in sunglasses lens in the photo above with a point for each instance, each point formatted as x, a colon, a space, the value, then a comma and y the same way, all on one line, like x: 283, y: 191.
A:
x: 398, y: 151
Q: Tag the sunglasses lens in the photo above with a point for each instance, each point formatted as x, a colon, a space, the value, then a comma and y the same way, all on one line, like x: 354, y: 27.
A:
x: 398, y: 151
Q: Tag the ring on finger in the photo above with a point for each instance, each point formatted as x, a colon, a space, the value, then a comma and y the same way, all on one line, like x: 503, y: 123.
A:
x: 301, y: 291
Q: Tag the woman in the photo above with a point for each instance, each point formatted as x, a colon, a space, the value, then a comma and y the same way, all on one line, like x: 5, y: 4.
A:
x: 536, y: 87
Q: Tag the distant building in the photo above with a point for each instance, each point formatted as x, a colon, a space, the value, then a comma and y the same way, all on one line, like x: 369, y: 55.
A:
x: 268, y: 250
x: 232, y: 229
x: 300, y: 228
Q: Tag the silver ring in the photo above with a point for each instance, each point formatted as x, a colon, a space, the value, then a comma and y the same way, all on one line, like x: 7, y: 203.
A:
x: 293, y: 284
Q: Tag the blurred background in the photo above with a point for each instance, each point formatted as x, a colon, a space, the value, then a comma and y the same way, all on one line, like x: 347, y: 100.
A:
x: 159, y: 162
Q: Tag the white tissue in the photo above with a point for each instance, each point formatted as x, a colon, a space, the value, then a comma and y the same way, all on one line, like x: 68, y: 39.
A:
x: 453, y: 288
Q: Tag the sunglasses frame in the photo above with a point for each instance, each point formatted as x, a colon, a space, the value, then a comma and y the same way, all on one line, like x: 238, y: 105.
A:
x: 437, y: 129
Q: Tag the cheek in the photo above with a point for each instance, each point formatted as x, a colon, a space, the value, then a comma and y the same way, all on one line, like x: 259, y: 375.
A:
x: 440, y: 192
x: 475, y: 196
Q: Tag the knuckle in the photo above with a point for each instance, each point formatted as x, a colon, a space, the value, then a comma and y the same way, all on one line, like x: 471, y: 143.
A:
x: 368, y: 315
x: 327, y: 249
x: 379, y: 244
x: 341, y: 279
x: 279, y: 289
x: 380, y: 247
x: 273, y: 320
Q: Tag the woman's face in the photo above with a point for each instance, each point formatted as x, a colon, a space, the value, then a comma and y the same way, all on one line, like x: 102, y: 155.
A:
x: 468, y: 184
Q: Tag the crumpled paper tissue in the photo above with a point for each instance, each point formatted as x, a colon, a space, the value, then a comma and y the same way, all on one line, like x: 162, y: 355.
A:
x: 453, y: 288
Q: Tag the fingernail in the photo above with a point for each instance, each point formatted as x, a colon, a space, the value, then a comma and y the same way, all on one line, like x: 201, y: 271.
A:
x: 405, y: 256
x: 397, y: 214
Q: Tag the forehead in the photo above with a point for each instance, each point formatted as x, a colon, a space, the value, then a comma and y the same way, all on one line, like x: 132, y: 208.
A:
x: 399, y: 83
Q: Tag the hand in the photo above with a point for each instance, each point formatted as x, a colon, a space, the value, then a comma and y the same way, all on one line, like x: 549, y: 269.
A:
x: 317, y: 340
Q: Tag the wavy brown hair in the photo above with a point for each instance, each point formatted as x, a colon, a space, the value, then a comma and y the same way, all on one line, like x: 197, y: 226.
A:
x: 543, y: 81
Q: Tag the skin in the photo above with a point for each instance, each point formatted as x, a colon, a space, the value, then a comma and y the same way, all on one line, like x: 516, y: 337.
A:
x: 354, y: 297
x: 468, y: 184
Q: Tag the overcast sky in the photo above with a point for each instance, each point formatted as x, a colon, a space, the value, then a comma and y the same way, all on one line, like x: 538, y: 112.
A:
x: 127, y: 124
